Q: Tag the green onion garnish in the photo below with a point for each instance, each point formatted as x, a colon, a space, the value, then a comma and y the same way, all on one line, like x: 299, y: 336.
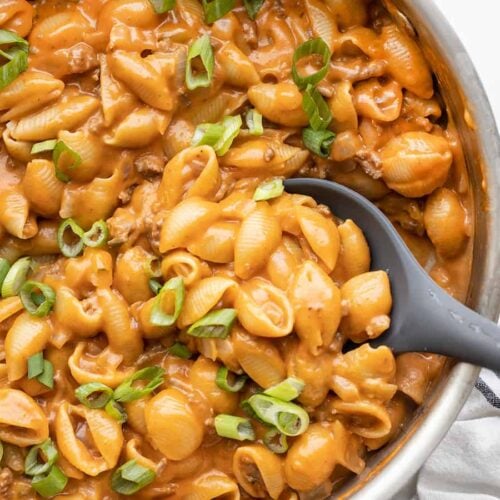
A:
x: 155, y: 286
x: 253, y: 7
x: 158, y: 316
x: 51, y: 484
x: 4, y: 269
x: 73, y: 160
x: 162, y: 6
x: 43, y: 147
x: 286, y: 390
x: 269, y: 190
x: 254, y: 122
x: 94, y: 394
x: 276, y: 441
x: 32, y: 464
x: 16, y: 54
x: 116, y: 410
x: 222, y: 380
x: 47, y: 376
x: 131, y: 477
x: 200, y: 48
x: 126, y: 391
x: 180, y: 350
x: 37, y: 298
x: 15, y: 277
x: 215, y: 324
x: 218, y: 135
x: 35, y: 365
x: 215, y: 9
x: 76, y: 233
x: 318, y: 141
x: 97, y: 235
x: 316, y: 109
x: 288, y: 418
x: 308, y: 48
x: 232, y: 427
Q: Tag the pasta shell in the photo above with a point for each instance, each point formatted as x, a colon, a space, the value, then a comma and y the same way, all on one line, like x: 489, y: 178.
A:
x: 257, y: 239
x: 264, y: 310
x: 212, y: 484
x: 14, y: 214
x: 27, y: 336
x: 22, y: 421
x: 321, y: 233
x: 185, y: 220
x: 19, y: 150
x: 349, y: 13
x: 283, y: 262
x: 259, y: 358
x: 379, y: 101
x: 185, y: 265
x: 341, y: 104
x: 173, y: 427
x: 370, y: 188
x: 322, y: 22
x: 43, y: 189
x: 9, y: 307
x: 106, y: 437
x: 192, y: 172
x: 238, y: 69
x: 446, y: 222
x: 280, y: 103
x: 17, y: 16
x: 219, y: 350
x: 132, y: 452
x: 65, y: 114
x: 202, y: 297
x: 316, y: 304
x: 139, y: 13
x: 259, y: 471
x: 29, y: 91
x: 217, y: 243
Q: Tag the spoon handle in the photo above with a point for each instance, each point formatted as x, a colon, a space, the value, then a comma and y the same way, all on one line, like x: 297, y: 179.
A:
x: 438, y: 323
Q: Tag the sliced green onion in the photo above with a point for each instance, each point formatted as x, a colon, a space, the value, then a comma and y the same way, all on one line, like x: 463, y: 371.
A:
x: 4, y: 269
x: 253, y: 7
x: 207, y: 134
x: 232, y: 427
x: 97, y: 235
x: 43, y: 147
x: 200, y: 48
x: 254, y: 122
x: 158, y: 316
x: 116, y: 411
x: 162, y: 6
x: 215, y: 9
x: 232, y: 126
x: 155, y: 286
x: 316, y: 109
x: 218, y: 135
x: 269, y: 190
x: 286, y: 390
x: 222, y: 380
x: 17, y: 56
x: 290, y: 419
x: 15, y: 277
x: 318, y: 141
x: 215, y: 324
x: 125, y: 392
x: 70, y: 249
x: 63, y: 151
x: 180, y: 350
x: 94, y: 394
x: 32, y: 464
x: 35, y: 365
x: 308, y: 48
x: 131, y: 477
x: 37, y: 298
x: 276, y: 441
x: 47, y: 376
x: 51, y: 484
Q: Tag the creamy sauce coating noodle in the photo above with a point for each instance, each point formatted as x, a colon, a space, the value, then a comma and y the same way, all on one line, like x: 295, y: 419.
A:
x: 172, y: 322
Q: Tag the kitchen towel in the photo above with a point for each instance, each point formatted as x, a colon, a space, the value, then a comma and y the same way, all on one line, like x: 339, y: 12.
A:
x: 466, y: 464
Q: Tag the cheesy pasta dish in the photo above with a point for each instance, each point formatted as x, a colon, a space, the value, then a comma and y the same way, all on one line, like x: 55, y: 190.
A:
x: 173, y: 323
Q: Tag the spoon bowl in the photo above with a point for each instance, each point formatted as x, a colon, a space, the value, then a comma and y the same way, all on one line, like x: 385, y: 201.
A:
x: 424, y: 318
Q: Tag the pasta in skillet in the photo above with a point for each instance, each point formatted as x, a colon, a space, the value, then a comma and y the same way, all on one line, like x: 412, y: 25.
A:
x: 173, y: 323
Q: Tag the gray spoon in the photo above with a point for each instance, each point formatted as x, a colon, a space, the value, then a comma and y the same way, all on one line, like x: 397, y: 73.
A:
x: 424, y: 318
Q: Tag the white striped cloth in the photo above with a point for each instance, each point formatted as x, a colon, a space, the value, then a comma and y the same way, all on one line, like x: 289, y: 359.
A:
x: 466, y: 465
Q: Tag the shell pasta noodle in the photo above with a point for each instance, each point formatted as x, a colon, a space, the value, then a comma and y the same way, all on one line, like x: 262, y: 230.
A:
x: 173, y: 322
